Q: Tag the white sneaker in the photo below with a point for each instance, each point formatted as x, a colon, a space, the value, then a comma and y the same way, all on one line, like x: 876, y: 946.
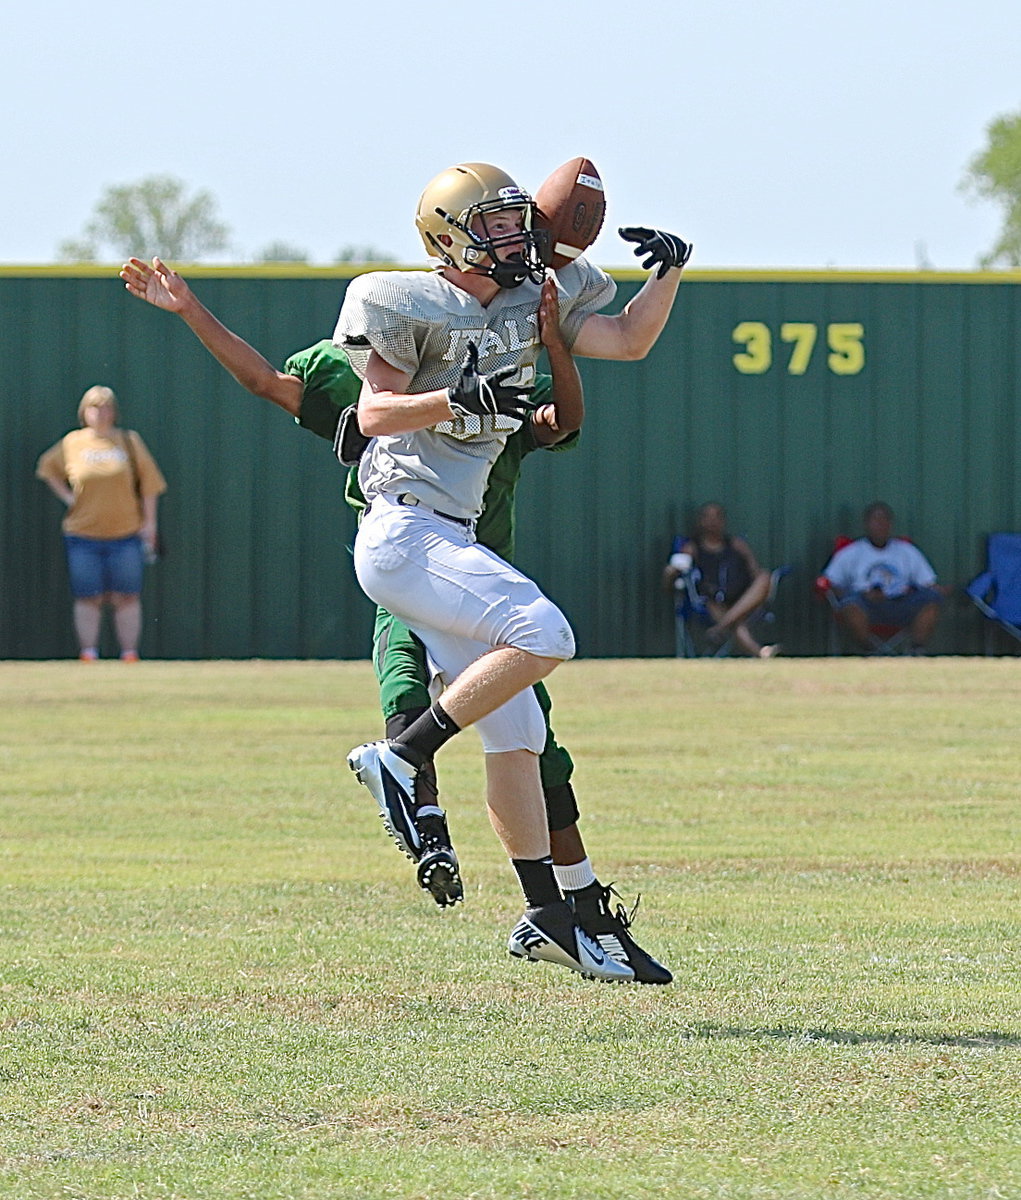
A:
x: 549, y: 934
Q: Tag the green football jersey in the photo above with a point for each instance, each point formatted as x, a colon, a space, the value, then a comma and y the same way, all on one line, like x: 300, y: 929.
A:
x: 330, y: 385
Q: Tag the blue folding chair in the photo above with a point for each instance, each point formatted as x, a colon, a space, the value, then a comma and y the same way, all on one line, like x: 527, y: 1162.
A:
x: 997, y: 591
x: 688, y: 605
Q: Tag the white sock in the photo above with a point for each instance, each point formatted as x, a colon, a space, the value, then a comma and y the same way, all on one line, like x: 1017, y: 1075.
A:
x: 574, y: 877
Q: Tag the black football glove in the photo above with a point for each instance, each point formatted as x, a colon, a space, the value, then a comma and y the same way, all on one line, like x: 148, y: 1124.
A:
x: 487, y: 395
x: 666, y: 249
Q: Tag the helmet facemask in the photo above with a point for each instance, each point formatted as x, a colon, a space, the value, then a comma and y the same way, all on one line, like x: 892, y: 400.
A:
x: 472, y: 246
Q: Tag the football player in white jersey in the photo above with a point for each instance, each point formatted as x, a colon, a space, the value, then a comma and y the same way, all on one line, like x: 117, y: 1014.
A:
x: 317, y: 387
x: 447, y: 361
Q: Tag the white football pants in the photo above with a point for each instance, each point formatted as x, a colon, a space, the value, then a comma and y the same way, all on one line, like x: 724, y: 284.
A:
x: 461, y: 600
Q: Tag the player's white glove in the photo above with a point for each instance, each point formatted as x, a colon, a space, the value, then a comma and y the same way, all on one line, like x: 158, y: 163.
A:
x: 665, y: 249
x: 487, y: 395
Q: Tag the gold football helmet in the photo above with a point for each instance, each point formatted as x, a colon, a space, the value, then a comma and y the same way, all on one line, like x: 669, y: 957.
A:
x: 452, y: 202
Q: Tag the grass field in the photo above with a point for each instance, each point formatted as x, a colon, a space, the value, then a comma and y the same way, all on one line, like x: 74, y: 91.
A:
x: 218, y: 979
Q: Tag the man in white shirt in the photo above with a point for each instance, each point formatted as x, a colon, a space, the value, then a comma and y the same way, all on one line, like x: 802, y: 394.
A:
x: 884, y: 580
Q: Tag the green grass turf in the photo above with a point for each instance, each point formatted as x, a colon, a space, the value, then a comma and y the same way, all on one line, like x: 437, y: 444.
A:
x: 218, y: 978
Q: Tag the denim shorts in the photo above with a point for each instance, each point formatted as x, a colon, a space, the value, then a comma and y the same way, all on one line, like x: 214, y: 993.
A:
x: 98, y: 565
x: 895, y: 610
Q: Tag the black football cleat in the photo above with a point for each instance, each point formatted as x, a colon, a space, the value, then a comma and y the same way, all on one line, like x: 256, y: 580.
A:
x: 549, y: 934
x: 611, y: 930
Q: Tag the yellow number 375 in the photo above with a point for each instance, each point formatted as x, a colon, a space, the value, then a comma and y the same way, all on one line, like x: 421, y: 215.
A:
x: 845, y: 341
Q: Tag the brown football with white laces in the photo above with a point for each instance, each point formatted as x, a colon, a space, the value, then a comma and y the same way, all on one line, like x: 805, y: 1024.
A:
x: 571, y: 207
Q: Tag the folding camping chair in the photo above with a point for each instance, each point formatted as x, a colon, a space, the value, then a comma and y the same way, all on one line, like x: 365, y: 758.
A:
x: 997, y: 591
x: 885, y: 639
x: 691, y: 615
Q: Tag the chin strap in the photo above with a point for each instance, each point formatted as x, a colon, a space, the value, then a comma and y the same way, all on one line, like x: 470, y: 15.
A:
x: 514, y: 273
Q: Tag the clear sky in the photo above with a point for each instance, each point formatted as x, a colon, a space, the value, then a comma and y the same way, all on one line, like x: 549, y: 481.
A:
x: 802, y: 134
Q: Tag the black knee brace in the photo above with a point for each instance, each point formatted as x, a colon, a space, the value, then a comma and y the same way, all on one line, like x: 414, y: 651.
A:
x: 561, y: 806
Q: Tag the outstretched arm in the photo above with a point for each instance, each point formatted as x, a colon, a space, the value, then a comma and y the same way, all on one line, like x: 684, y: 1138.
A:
x: 632, y: 333
x: 551, y: 423
x: 163, y: 288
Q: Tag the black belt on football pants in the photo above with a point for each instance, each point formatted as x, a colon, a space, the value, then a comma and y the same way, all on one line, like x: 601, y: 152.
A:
x: 414, y: 502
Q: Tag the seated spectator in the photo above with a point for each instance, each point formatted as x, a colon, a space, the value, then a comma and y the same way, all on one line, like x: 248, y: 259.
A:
x: 728, y: 578
x: 884, y: 580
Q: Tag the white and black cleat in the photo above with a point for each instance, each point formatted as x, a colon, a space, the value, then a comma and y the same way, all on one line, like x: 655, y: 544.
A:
x: 549, y: 934
x: 419, y: 831
x: 391, y: 780
x: 611, y: 928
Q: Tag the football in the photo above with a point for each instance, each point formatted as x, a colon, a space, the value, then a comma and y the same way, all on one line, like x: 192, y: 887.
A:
x: 571, y: 207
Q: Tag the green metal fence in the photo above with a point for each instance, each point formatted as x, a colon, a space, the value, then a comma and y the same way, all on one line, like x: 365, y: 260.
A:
x: 793, y: 398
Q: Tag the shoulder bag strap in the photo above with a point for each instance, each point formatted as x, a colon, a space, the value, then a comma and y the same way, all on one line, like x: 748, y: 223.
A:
x: 129, y: 450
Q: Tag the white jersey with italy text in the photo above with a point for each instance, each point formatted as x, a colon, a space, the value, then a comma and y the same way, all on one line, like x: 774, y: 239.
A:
x: 421, y: 324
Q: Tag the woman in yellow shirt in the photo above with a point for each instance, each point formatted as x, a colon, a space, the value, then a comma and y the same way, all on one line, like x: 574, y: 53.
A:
x: 111, y: 485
